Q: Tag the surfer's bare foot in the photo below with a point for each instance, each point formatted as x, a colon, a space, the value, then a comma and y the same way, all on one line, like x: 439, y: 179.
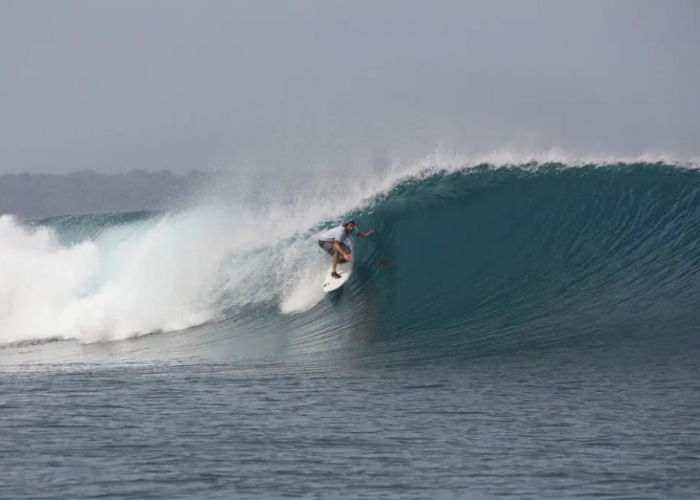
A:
x: 335, y: 275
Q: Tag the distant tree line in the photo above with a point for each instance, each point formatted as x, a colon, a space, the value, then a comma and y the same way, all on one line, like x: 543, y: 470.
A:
x: 32, y: 196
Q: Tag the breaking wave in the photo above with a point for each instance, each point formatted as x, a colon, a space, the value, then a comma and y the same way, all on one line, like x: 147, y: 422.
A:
x: 471, y: 256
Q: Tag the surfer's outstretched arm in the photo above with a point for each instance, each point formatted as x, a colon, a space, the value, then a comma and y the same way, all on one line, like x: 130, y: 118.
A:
x: 365, y: 235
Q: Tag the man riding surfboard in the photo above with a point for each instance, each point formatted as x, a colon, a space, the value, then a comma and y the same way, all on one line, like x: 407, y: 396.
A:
x: 332, y: 242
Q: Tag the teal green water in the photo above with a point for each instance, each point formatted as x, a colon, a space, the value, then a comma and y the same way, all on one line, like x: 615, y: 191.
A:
x: 523, y: 333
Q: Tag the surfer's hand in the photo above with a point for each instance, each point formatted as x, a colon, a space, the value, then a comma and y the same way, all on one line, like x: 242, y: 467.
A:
x: 348, y: 258
x: 370, y: 234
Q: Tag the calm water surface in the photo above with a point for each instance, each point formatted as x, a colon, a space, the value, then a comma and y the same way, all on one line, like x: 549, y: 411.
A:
x: 547, y: 426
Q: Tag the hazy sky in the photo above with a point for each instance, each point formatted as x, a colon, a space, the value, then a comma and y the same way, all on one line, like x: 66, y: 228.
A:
x: 119, y: 85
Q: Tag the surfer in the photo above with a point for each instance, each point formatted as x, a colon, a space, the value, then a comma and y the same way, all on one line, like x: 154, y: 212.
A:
x: 333, y: 243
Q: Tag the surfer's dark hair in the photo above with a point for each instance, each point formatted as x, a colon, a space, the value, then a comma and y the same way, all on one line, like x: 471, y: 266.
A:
x: 351, y: 221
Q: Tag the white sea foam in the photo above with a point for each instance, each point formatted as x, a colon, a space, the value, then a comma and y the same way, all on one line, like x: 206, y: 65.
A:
x: 166, y: 274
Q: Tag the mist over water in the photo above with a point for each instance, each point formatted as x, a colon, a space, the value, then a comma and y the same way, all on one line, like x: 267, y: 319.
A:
x: 522, y: 324
x: 488, y: 239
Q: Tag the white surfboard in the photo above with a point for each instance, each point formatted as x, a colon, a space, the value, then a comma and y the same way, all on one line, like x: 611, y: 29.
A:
x: 331, y: 283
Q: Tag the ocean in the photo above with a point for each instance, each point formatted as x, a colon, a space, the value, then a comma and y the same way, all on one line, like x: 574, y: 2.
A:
x: 518, y: 330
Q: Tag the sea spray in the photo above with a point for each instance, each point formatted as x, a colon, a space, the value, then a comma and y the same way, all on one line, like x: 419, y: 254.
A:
x: 472, y: 247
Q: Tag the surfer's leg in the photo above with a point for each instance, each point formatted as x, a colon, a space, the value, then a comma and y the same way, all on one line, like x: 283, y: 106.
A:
x: 327, y: 246
x: 336, y: 256
x: 341, y: 259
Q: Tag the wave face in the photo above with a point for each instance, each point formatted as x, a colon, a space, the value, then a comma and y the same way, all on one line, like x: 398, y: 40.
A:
x: 468, y: 261
x: 515, y: 259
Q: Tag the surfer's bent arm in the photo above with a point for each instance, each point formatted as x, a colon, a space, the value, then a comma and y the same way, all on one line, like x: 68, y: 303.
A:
x: 341, y: 249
